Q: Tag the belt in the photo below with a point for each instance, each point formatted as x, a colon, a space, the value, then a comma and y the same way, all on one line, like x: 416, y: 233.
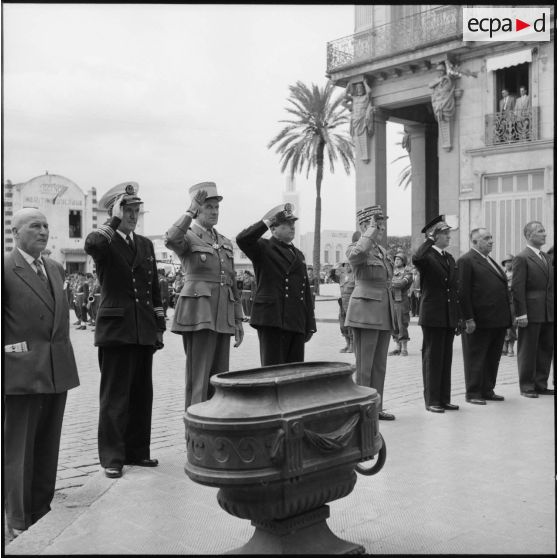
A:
x: 223, y: 280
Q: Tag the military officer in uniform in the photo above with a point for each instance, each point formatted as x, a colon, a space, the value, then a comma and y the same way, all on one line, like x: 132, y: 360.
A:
x: 208, y: 310
x: 282, y: 310
x: 371, y: 313
x: 438, y: 314
x: 129, y: 328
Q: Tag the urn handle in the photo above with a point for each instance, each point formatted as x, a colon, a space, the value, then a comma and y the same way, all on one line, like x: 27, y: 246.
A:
x: 376, y: 467
x: 333, y: 441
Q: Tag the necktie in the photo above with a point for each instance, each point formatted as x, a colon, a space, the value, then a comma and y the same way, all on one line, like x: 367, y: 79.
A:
x: 129, y: 241
x: 542, y: 258
x: 40, y: 271
x: 42, y: 275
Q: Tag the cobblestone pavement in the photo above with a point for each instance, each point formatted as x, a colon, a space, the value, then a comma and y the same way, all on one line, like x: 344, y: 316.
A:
x: 78, y: 450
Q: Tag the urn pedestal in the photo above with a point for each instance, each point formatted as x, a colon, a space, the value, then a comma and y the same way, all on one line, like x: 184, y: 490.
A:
x: 280, y: 442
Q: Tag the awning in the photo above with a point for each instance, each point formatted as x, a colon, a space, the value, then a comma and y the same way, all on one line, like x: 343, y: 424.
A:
x: 508, y: 59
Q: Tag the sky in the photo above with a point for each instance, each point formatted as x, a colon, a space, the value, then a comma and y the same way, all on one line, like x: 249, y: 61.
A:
x: 172, y: 95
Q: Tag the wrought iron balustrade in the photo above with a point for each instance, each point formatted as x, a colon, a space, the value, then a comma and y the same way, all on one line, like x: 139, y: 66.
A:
x: 408, y: 33
x: 512, y: 127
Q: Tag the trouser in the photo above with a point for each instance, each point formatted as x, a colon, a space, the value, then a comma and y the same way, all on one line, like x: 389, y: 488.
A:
x: 371, y: 348
x: 278, y: 346
x: 32, y: 428
x: 482, y: 351
x: 437, y: 354
x: 246, y: 302
x: 402, y: 319
x: 207, y: 354
x: 126, y: 401
x: 535, y: 345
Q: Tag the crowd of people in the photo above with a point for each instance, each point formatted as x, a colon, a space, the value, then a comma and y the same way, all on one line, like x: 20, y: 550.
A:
x: 126, y: 302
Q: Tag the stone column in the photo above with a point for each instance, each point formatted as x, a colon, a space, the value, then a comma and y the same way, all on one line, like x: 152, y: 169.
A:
x: 450, y: 177
x: 371, y: 176
x: 418, y: 185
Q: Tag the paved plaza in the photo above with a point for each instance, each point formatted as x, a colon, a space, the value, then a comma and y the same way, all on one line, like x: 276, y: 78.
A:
x: 480, y: 480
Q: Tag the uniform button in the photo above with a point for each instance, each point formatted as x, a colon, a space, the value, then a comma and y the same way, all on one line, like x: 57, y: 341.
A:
x: 137, y: 299
x: 286, y: 296
x: 135, y: 290
x: 134, y: 279
x: 222, y: 261
x: 449, y: 300
x: 287, y: 287
x: 147, y: 303
x: 301, y: 298
x: 286, y: 279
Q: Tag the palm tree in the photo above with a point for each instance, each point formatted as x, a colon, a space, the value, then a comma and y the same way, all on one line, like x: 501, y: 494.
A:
x: 405, y: 176
x: 310, y: 137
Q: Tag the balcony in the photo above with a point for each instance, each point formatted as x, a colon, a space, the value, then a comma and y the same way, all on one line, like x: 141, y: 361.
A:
x: 502, y: 128
x: 406, y: 34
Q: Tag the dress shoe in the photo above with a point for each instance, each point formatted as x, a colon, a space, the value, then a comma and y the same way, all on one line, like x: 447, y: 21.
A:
x: 476, y: 401
x: 143, y: 462
x: 81, y: 327
x: 386, y: 416
x: 546, y: 391
x: 450, y: 407
x: 435, y: 409
x: 495, y: 397
x: 532, y: 394
x: 113, y: 472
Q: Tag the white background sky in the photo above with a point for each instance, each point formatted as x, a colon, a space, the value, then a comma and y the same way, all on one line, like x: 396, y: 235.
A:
x: 171, y: 95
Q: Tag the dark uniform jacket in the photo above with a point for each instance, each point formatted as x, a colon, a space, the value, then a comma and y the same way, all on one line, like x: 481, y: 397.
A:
x: 439, y: 306
x: 34, y: 315
x: 130, y: 310
x: 483, y: 292
x: 283, y: 298
x: 533, y: 286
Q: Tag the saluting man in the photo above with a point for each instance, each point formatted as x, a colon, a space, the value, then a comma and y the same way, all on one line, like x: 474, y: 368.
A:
x: 129, y: 329
x: 207, y: 311
x: 282, y: 310
x: 371, y: 313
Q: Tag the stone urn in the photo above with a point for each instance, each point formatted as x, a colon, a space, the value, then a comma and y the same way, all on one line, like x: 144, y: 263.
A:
x: 280, y: 442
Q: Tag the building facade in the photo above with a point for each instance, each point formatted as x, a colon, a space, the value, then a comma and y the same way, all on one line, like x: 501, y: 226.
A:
x: 71, y: 214
x: 471, y: 158
x: 333, y: 246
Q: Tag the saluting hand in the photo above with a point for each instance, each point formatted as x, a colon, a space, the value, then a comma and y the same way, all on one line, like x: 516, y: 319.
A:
x: 272, y: 212
x: 117, y: 208
x: 197, y: 202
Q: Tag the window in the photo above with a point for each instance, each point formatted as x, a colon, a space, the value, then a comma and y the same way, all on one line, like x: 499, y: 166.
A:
x: 327, y: 252
x: 511, y: 79
x: 514, y: 183
x: 75, y: 224
x: 510, y: 201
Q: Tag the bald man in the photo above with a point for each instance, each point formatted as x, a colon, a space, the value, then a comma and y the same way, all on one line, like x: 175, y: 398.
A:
x: 39, y: 369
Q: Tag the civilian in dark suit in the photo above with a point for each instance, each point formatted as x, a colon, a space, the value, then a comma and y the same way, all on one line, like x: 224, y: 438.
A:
x: 282, y: 310
x: 39, y: 369
x: 438, y: 314
x: 533, y: 299
x: 484, y: 302
x: 130, y: 325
